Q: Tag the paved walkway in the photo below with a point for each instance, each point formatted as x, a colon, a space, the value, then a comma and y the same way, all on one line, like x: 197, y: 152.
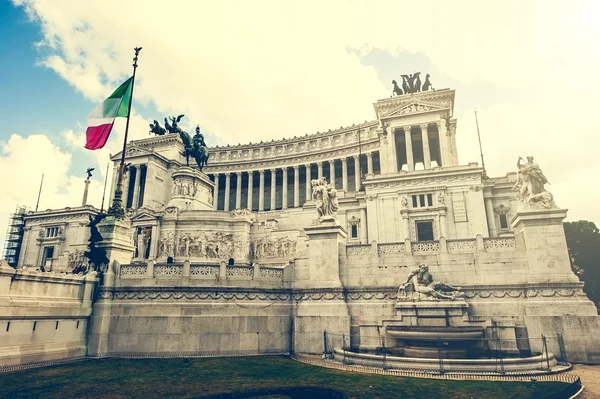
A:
x: 590, y: 378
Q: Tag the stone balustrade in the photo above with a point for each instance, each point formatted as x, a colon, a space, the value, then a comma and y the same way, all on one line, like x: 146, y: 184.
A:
x: 434, y: 247
x: 162, y: 271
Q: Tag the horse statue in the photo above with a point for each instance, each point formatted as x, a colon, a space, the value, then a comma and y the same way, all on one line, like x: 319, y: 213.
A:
x: 194, y: 147
x: 397, y: 91
x: 173, y: 127
x: 427, y: 84
x: 157, y: 129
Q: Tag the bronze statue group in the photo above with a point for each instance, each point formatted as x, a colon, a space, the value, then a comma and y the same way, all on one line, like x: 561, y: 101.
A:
x: 194, y: 147
x: 412, y: 84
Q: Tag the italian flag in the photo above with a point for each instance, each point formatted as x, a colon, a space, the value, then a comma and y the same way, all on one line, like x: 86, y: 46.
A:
x: 102, y: 118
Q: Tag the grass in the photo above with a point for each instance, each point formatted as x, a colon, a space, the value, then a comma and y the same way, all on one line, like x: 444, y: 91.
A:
x: 241, y: 377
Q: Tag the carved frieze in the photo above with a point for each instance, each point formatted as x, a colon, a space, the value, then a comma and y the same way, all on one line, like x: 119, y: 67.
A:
x: 273, y: 248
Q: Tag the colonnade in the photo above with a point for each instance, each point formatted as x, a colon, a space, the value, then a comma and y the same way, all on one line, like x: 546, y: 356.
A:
x: 134, y: 184
x: 288, y: 186
x: 420, y: 144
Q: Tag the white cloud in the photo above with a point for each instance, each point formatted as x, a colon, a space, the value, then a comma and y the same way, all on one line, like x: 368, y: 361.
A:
x: 23, y: 161
x: 250, y: 71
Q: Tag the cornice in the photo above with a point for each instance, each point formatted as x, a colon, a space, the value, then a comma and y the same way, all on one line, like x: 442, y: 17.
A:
x: 440, y: 99
x: 308, y: 157
x: 60, y: 214
x: 439, y: 177
x: 296, y: 140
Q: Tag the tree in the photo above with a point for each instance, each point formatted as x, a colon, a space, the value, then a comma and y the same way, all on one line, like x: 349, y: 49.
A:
x: 583, y: 242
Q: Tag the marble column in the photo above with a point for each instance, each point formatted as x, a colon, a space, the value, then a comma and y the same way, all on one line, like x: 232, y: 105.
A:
x: 250, y: 186
x: 320, y: 170
x: 394, y: 149
x: 113, y: 187
x: 296, y: 186
x: 136, y: 187
x: 443, y: 144
x: 155, y: 235
x: 425, y: 141
x: 364, y: 238
x: 369, y: 163
x: 489, y: 211
x: 356, y: 173
x: 284, y: 192
x: 273, y: 205
x: 227, y: 185
x: 332, y: 172
x: 308, y: 188
x: 216, y: 192
x: 238, y: 191
x: 261, y: 191
x: 409, y: 149
x: 344, y: 174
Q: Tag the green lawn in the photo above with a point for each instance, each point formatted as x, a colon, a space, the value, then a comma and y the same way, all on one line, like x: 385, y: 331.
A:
x: 240, y: 377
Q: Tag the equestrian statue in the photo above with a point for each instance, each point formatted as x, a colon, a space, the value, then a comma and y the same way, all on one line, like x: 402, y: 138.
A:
x: 194, y: 147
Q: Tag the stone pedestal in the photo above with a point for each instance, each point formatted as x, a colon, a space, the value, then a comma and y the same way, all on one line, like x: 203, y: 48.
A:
x: 432, y: 313
x: 192, y: 190
x: 320, y: 305
x: 424, y: 328
x: 316, y: 312
x: 116, y: 239
x: 540, y: 233
x: 327, y: 242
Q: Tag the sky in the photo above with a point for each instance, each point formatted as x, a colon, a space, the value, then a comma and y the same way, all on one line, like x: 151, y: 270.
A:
x: 261, y: 70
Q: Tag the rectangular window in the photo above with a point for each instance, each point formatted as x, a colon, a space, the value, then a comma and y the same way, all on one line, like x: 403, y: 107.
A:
x: 47, y: 255
x: 414, y: 199
x: 429, y: 199
x: 422, y: 200
x: 503, y: 221
x: 424, y: 230
x: 354, y: 229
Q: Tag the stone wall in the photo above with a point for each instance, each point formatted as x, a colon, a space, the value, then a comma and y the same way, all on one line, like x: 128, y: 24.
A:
x: 43, y: 316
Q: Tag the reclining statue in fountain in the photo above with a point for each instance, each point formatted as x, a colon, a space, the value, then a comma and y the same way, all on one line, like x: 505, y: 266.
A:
x: 421, y: 282
x: 530, y: 184
x: 325, y: 197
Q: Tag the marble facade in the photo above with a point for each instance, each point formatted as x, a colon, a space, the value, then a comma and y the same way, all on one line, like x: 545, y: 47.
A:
x: 240, y: 262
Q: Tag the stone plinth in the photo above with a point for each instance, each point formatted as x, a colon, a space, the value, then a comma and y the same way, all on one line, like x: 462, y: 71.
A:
x: 540, y: 233
x: 327, y: 242
x: 432, y: 313
x: 192, y: 190
x: 116, y: 239
x: 316, y: 312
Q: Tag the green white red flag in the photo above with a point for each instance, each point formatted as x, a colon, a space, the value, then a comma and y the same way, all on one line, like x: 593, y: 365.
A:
x: 102, y: 118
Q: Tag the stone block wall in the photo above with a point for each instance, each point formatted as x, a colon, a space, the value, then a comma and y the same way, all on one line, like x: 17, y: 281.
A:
x: 43, y: 316
x: 200, y: 321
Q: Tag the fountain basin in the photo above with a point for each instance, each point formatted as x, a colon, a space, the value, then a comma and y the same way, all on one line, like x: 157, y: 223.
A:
x: 431, y: 333
x: 520, y: 364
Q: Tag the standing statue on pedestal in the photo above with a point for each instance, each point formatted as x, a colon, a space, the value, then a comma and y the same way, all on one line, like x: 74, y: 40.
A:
x: 421, y: 281
x: 530, y: 184
x: 325, y: 197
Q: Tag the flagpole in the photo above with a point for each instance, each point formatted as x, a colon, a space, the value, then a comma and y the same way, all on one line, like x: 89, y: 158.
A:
x: 39, y: 193
x: 116, y: 209
x: 104, y: 191
x: 480, y: 147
